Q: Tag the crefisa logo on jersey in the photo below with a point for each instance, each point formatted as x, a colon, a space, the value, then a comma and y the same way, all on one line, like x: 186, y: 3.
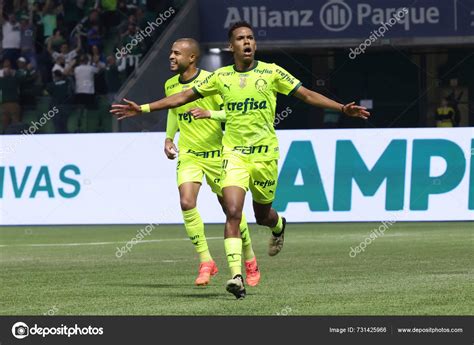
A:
x: 336, y: 15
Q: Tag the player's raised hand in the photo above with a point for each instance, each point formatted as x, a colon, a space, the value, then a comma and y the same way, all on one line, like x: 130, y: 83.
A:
x: 199, y: 113
x: 170, y: 149
x: 353, y: 110
x: 123, y: 111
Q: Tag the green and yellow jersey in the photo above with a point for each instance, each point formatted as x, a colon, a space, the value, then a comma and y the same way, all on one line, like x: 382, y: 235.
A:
x: 250, y: 104
x: 201, y: 138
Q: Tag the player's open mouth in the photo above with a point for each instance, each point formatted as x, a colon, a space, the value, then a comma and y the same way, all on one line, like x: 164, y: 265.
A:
x: 247, y: 51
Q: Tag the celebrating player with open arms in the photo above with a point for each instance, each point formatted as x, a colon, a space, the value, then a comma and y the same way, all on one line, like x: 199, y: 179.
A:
x: 200, y: 150
x: 249, y: 89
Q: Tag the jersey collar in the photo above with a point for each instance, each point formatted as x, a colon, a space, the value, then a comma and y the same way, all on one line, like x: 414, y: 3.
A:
x: 190, y: 80
x: 248, y: 70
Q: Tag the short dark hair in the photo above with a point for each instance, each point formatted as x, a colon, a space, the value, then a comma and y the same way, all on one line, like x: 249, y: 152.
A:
x: 237, y: 25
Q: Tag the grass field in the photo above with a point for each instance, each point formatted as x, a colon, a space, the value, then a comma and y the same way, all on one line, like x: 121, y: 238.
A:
x: 414, y: 269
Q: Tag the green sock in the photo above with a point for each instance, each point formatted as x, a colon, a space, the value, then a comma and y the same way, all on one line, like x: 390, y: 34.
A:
x: 278, y: 227
x: 233, y: 250
x: 195, y: 230
x: 247, y: 249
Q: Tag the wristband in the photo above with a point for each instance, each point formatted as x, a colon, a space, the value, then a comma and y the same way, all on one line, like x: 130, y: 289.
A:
x: 145, y: 108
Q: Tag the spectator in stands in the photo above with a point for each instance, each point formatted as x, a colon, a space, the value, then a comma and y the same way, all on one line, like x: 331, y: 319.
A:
x: 55, y: 41
x: 112, y: 78
x: 85, y: 88
x: 48, y: 18
x: 97, y: 59
x: 444, y: 115
x: 61, y: 92
x: 10, y: 95
x: 88, y: 23
x: 68, y: 54
x: 26, y: 74
x: 27, y: 41
x: 11, y: 41
x: 94, y: 37
x: 59, y: 65
x: 96, y: 56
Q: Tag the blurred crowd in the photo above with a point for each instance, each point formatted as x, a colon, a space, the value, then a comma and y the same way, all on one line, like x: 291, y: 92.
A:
x: 65, y: 50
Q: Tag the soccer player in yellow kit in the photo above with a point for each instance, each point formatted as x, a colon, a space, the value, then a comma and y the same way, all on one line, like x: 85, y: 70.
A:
x: 250, y: 146
x: 200, y: 150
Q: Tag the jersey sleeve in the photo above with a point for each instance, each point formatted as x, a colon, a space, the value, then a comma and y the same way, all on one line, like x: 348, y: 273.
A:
x: 171, y: 124
x: 171, y: 121
x: 208, y: 86
x: 218, y: 115
x: 284, y: 82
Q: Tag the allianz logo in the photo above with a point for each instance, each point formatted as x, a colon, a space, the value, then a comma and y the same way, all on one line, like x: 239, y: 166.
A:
x: 334, y: 15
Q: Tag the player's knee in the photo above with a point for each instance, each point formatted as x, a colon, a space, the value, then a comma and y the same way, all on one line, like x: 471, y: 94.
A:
x: 234, y: 213
x: 187, y: 204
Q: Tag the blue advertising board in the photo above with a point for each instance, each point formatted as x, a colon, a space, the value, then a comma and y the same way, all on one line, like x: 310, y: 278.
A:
x: 278, y: 20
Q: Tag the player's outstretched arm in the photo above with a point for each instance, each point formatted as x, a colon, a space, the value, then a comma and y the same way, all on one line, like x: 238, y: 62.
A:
x: 318, y: 100
x: 130, y: 109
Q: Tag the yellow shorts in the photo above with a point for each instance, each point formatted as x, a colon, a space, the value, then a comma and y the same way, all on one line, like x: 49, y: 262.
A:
x: 192, y: 169
x: 260, y: 177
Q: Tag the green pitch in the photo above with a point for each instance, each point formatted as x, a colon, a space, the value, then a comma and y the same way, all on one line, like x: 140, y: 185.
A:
x: 414, y: 269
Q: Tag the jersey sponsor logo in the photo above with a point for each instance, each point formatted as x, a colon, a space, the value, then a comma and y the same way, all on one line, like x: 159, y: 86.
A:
x: 248, y: 104
x: 185, y: 117
x: 225, y: 74
x: 227, y: 86
x: 248, y: 150
x: 264, y: 184
x: 172, y: 86
x: 263, y: 71
x: 261, y: 85
x: 285, y: 76
x: 205, y: 154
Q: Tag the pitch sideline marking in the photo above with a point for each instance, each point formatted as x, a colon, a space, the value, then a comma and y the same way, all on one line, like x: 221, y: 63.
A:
x: 98, y: 243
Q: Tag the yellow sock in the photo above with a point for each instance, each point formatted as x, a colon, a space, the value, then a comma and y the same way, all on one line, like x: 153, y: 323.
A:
x: 233, y: 250
x: 278, y: 227
x: 195, y: 230
x: 247, y: 249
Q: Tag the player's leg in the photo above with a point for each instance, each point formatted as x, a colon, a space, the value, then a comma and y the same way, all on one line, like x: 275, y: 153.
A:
x: 263, y: 182
x: 234, y: 183
x: 189, y: 176
x: 252, y: 272
x: 212, y: 171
